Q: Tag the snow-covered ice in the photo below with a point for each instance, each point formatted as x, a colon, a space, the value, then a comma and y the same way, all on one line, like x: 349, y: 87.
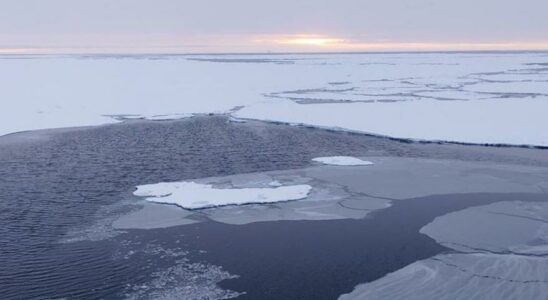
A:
x: 342, y: 161
x: 502, y: 121
x: 191, y: 195
x: 462, y: 97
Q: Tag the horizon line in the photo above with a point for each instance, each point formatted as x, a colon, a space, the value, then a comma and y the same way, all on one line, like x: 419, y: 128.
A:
x: 269, y: 52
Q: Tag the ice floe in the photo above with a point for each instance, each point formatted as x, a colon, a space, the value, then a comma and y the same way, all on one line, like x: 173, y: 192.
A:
x: 504, y: 227
x: 191, y: 195
x: 403, y: 178
x: 461, y: 276
x: 342, y: 161
x: 154, y: 215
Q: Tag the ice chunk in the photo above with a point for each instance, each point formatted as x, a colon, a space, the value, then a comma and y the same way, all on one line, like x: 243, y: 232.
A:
x: 342, y: 161
x: 191, y: 195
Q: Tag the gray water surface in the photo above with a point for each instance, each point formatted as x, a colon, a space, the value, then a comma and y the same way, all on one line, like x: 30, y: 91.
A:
x: 53, y: 188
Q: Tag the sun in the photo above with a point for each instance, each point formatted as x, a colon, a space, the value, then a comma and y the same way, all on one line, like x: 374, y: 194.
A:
x: 309, y: 40
x: 313, y: 41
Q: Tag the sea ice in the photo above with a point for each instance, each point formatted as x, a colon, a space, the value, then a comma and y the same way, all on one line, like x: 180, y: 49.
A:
x: 517, y: 227
x: 401, y: 95
x: 401, y: 178
x: 340, y: 192
x: 323, y: 200
x: 342, y: 161
x: 496, y: 121
x: 180, y: 279
x: 154, y: 215
x: 505, y: 246
x: 191, y: 195
x: 461, y: 276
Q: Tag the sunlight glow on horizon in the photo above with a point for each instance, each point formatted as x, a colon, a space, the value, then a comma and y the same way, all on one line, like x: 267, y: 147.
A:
x: 310, y: 40
x: 323, y: 42
x: 294, y: 43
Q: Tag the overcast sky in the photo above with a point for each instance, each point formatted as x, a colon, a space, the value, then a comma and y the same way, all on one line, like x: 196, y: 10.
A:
x: 276, y: 25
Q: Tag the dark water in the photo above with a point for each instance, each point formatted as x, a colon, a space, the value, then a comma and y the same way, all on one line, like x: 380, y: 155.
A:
x: 324, y: 259
x: 50, y: 187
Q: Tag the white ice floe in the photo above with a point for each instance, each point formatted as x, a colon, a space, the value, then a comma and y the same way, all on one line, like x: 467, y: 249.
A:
x: 461, y: 276
x: 191, y: 195
x: 301, y: 89
x: 342, y: 161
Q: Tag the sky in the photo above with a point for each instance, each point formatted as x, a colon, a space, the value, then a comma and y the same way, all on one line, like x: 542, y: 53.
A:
x: 216, y: 26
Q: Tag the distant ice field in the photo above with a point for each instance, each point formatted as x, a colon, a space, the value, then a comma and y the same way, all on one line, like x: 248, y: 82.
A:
x: 493, y: 98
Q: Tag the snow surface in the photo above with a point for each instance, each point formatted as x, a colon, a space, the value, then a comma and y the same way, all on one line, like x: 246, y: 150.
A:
x: 502, y: 121
x: 463, y: 97
x: 191, y: 195
x: 342, y: 161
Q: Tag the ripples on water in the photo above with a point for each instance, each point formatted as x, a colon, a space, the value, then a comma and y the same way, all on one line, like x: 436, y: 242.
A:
x: 55, y: 186
x: 55, y: 192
